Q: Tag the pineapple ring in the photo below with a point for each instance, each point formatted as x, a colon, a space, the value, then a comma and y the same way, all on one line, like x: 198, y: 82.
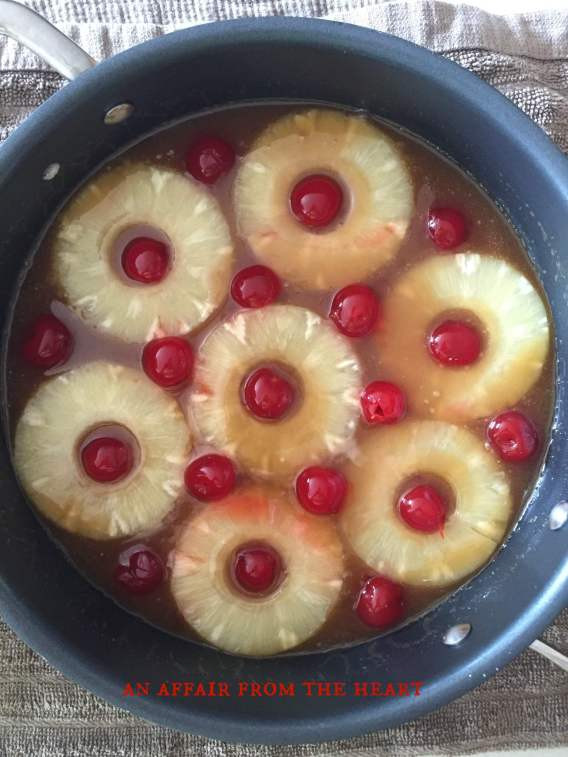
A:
x: 135, y: 196
x: 312, y: 557
x: 324, y: 422
x: 513, y: 316
x: 57, y: 418
x: 369, y: 165
x: 472, y: 532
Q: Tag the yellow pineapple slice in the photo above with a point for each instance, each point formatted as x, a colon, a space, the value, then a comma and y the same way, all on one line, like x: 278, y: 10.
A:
x: 312, y: 561
x: 88, y: 265
x: 62, y: 413
x: 376, y: 183
x: 508, y: 308
x: 390, y: 458
x: 323, y: 423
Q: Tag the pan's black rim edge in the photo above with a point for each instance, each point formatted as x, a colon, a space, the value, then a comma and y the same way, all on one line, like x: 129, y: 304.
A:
x: 463, y: 84
x: 511, y: 640
x: 514, y: 640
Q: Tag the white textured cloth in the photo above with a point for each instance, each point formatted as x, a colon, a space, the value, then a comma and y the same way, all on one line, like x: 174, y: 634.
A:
x: 526, y: 704
x: 106, y: 26
x: 524, y: 55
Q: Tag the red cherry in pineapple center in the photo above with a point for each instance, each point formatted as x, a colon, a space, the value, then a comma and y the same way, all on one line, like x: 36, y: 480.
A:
x: 321, y: 491
x: 210, y: 477
x: 423, y: 508
x: 455, y: 343
x: 268, y: 394
x: 380, y: 603
x: 256, y: 569
x: 47, y: 343
x: 168, y: 361
x: 355, y: 310
x: 513, y: 436
x: 145, y: 260
x: 140, y: 571
x: 107, y: 459
x: 316, y: 201
x: 209, y: 158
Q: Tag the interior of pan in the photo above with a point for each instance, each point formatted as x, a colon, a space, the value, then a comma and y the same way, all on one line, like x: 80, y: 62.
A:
x: 85, y: 634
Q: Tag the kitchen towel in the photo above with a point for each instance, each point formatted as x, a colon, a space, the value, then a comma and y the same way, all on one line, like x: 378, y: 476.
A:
x: 526, y: 704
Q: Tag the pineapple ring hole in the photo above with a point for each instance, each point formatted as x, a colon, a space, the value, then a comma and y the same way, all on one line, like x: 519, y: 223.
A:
x: 289, y: 374
x: 113, y: 431
x: 122, y: 239
x: 232, y: 567
x: 425, y: 478
x: 463, y: 316
x: 346, y: 203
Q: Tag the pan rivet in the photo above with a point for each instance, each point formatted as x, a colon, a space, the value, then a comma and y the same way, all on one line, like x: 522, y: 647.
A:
x: 456, y: 634
x: 118, y: 114
x: 558, y: 516
x: 51, y: 171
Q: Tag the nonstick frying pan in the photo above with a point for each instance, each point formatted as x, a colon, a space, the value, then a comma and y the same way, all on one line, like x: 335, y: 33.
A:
x: 109, y: 106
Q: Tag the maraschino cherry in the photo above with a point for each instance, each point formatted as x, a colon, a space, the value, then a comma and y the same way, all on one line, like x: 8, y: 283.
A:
x: 140, y: 570
x: 321, y: 491
x: 255, y: 287
x: 267, y: 394
x: 256, y: 569
x: 446, y: 227
x: 168, y: 361
x: 107, y: 459
x: 47, y: 343
x: 513, y: 436
x: 210, y: 477
x: 382, y: 403
x: 423, y: 508
x: 455, y: 343
x: 208, y: 158
x: 355, y: 310
x: 316, y: 201
x: 380, y: 602
x: 145, y: 260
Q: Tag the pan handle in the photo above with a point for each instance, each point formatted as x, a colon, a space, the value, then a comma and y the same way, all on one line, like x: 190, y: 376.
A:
x: 35, y: 32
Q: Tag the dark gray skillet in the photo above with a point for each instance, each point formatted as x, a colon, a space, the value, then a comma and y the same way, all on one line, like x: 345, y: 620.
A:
x: 73, y: 625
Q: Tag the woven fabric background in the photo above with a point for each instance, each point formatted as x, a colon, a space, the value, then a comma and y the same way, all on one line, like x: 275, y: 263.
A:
x: 524, y: 705
x: 44, y: 715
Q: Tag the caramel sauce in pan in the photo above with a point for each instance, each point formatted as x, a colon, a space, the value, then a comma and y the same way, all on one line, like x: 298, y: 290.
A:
x: 436, y: 182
